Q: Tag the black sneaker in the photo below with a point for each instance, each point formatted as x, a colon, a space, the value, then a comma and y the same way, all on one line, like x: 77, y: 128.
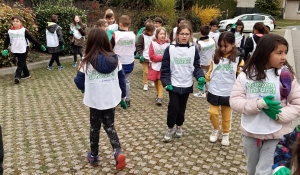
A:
x: 17, y: 80
x: 128, y: 103
x: 25, y: 77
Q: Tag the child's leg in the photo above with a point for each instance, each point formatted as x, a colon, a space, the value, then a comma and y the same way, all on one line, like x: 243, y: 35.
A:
x: 21, y: 63
x: 266, y: 157
x: 95, y: 125
x: 252, y: 151
x: 127, y: 76
x: 108, y: 125
x: 226, y: 119
x: 145, y: 72
x: 80, y: 51
x: 183, y: 98
x: 214, y: 116
x: 173, y: 108
x: 159, y: 89
x: 75, y: 49
x: 53, y: 57
x: 57, y: 59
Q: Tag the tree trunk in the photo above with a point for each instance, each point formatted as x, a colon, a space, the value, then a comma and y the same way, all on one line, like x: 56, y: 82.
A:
x: 182, y: 5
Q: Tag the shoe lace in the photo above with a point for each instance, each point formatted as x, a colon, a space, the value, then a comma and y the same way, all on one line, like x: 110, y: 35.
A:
x: 214, y: 133
x: 225, y: 137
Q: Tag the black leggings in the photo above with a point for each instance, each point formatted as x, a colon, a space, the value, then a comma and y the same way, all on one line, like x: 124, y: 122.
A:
x: 107, y: 117
x: 54, y: 57
x: 21, y: 66
x: 77, y: 50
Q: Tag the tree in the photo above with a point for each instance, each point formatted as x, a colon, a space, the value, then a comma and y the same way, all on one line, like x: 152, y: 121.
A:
x: 271, y: 7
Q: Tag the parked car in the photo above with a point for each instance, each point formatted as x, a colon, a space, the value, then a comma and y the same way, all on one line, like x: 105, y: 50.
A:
x: 249, y: 20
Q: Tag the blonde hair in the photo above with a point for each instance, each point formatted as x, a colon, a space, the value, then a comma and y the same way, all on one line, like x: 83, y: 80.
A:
x: 100, y: 23
x: 158, y: 30
x: 108, y: 11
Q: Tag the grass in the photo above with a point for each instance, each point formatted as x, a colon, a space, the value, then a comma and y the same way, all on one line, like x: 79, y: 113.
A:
x: 286, y: 22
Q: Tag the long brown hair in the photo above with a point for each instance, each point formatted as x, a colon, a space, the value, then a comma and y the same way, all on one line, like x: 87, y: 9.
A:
x: 256, y: 65
x: 79, y: 22
x: 261, y: 28
x: 97, y: 43
x: 227, y: 38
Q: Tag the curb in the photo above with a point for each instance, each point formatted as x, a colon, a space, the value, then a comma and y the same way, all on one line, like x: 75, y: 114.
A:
x: 290, y: 56
x: 36, y: 65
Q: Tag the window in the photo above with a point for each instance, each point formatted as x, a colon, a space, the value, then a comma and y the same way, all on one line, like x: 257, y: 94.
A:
x: 258, y: 18
x: 299, y: 7
x: 246, y: 18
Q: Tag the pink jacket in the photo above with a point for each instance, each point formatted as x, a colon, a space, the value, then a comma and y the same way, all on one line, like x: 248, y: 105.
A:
x: 291, y: 111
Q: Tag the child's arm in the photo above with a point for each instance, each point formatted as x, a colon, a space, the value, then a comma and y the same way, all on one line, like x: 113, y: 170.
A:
x: 153, y: 57
x: 31, y: 39
x: 140, y: 45
x: 122, y: 83
x: 248, y: 47
x: 198, y: 72
x: 165, y: 75
x: 238, y: 71
x: 82, y: 29
x: 239, y: 101
x: 292, y: 110
x: 242, y: 42
x: 60, y: 36
x: 207, y: 75
x: 112, y: 41
x: 6, y: 42
x: 80, y: 79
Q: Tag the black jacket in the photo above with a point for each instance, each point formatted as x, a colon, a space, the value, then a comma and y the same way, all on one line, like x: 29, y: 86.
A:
x: 249, y: 45
x: 52, y: 27
x: 165, y: 76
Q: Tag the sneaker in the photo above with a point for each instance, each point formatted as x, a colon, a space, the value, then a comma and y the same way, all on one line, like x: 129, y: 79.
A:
x: 75, y: 64
x: 145, y: 87
x: 92, y: 160
x: 200, y: 94
x: 50, y: 68
x: 178, y: 132
x: 158, y: 101
x: 17, y: 80
x: 128, y: 103
x: 214, y: 136
x: 152, y: 84
x: 61, y: 67
x: 25, y: 77
x: 120, y: 159
x: 225, y: 140
x: 168, y: 135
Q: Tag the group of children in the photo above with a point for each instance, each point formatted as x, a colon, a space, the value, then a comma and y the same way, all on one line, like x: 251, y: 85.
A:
x: 262, y: 86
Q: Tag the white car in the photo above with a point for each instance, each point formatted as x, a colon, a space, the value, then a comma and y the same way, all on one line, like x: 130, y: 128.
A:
x: 249, y: 20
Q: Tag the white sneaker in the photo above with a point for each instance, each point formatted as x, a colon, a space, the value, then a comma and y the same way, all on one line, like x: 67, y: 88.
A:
x: 214, y: 136
x: 145, y: 87
x: 200, y: 94
x: 178, y: 132
x: 152, y: 84
x: 225, y: 140
x: 169, y: 134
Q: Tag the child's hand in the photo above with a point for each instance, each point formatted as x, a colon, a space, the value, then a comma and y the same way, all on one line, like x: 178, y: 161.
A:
x: 272, y: 112
x: 5, y: 52
x: 142, y: 59
x: 78, y: 26
x: 72, y: 32
x: 62, y: 47
x: 43, y: 48
x: 201, y: 82
x: 169, y: 87
x: 269, y: 100
x: 283, y: 171
x: 123, y: 104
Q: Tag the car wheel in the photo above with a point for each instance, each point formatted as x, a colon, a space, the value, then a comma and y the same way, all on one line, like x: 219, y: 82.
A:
x: 228, y: 27
x: 268, y: 28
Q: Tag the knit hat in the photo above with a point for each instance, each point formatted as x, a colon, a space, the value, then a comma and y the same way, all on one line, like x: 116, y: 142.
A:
x: 286, y: 82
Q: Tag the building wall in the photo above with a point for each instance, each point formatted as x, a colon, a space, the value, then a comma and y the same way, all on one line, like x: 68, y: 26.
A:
x: 291, y: 10
x: 246, y: 3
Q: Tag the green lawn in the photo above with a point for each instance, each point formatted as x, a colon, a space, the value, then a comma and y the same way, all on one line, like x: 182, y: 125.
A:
x: 285, y: 23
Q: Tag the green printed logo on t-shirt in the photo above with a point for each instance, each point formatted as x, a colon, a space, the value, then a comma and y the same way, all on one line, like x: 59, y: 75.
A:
x: 125, y: 42
x: 209, y: 47
x: 160, y: 51
x: 17, y: 35
x: 96, y: 75
x: 178, y: 60
x: 225, y: 68
x: 261, y: 87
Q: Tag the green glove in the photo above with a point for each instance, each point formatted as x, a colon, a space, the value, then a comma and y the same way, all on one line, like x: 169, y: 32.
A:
x: 283, y: 171
x: 201, y: 82
x: 142, y: 59
x: 137, y: 56
x: 5, y: 52
x: 233, y: 26
x: 82, y: 91
x: 43, y: 48
x: 78, y: 26
x: 272, y: 112
x: 72, y: 32
x: 123, y: 104
x: 269, y: 100
x: 62, y: 47
x: 169, y: 87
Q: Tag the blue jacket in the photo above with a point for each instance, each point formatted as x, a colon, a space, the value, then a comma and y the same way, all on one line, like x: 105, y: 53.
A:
x: 104, y: 66
x: 165, y: 76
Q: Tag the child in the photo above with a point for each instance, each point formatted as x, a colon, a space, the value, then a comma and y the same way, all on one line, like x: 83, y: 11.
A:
x: 267, y: 95
x: 157, y: 23
x: 103, y: 86
x: 207, y: 47
x: 214, y: 32
x: 141, y: 31
x: 123, y: 43
x: 238, y: 33
x: 55, y: 42
x: 156, y: 51
x: 143, y: 50
x: 18, y: 37
x: 110, y: 18
x: 173, y: 33
x: 102, y: 24
x: 259, y: 30
x: 179, y: 64
x: 287, y: 154
x: 221, y: 76
x: 78, y: 31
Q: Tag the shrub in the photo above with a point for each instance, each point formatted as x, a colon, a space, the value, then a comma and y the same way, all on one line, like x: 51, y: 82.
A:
x: 65, y: 17
x: 6, y: 12
x: 166, y: 6
x: 193, y: 18
x: 270, y: 7
x: 207, y: 13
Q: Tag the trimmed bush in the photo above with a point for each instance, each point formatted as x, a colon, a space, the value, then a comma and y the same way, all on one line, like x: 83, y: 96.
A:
x: 6, y: 12
x: 65, y: 18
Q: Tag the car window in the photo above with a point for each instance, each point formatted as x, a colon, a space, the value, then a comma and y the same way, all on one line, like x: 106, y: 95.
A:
x: 258, y: 18
x: 246, y: 18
